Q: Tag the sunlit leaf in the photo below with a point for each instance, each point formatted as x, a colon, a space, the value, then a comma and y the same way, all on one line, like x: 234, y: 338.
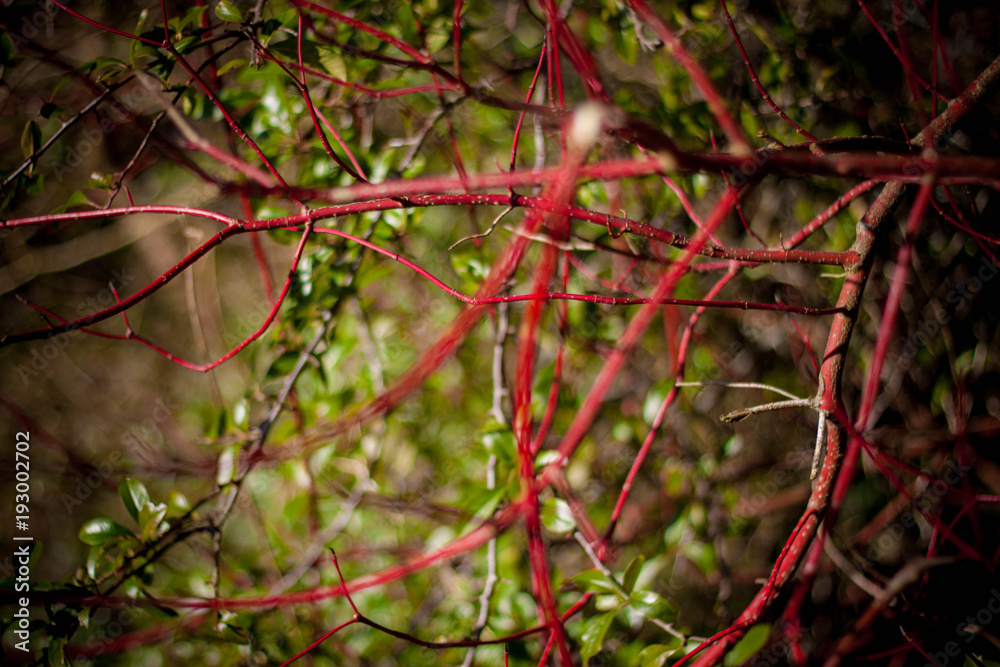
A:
x: 227, y: 11
x: 97, y: 532
x: 594, y: 630
x: 655, y: 655
x: 557, y: 516
x: 332, y: 62
x: 134, y: 495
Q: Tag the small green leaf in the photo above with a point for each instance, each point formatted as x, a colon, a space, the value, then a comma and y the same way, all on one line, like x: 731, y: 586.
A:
x: 31, y: 138
x: 557, y: 517
x: 279, y: 368
x: 982, y: 662
x: 92, y: 559
x: 632, y: 573
x: 437, y: 39
x: 134, y: 495
x: 595, y: 581
x: 655, y: 655
x: 235, y: 62
x: 701, y: 554
x: 178, y: 502
x: 178, y: 23
x: 650, y: 605
x: 101, y: 531
x: 227, y: 466
x: 270, y: 212
x: 8, y: 48
x: 498, y: 439
x: 101, y: 181
x: 75, y: 199
x: 36, y: 183
x: 592, y: 638
x: 752, y: 642
x: 268, y: 29
x: 626, y: 47
x: 486, y: 509
x: 55, y: 652
x: 150, y: 516
x: 227, y: 11
x: 654, y: 401
x: 545, y: 458
x: 332, y: 62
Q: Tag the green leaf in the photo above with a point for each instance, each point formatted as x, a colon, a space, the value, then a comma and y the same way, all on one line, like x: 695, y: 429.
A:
x: 701, y: 554
x: 632, y: 571
x: 8, y: 49
x: 270, y: 212
x: 31, y: 139
x: 498, y: 439
x: 36, y: 183
x: 100, y: 181
x: 650, y: 605
x: 752, y: 642
x: 557, y: 517
x: 268, y: 29
x: 101, y: 531
x: 55, y: 652
x: 437, y: 39
x: 150, y: 516
x: 92, y: 559
x: 655, y: 655
x: 654, y: 399
x: 592, y: 638
x: 626, y: 46
x: 596, y: 581
x: 486, y: 509
x: 545, y: 458
x: 279, y: 368
x: 134, y: 495
x: 193, y: 16
x: 227, y: 466
x: 983, y: 662
x: 178, y: 502
x: 227, y: 11
x: 75, y: 199
x: 235, y: 62
x: 332, y: 62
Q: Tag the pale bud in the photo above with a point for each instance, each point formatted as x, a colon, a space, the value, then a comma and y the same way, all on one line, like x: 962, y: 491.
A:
x: 586, y: 127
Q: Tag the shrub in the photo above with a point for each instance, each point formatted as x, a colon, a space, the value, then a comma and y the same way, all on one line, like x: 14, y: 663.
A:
x: 420, y: 318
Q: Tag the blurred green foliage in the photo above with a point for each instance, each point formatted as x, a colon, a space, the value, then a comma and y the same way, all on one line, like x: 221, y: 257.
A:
x: 408, y: 483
